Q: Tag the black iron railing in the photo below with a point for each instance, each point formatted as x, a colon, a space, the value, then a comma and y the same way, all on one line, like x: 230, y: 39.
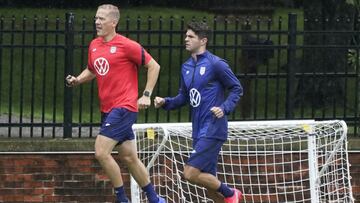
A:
x: 273, y: 59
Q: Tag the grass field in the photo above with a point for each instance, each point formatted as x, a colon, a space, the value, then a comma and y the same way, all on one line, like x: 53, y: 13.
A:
x: 32, y: 77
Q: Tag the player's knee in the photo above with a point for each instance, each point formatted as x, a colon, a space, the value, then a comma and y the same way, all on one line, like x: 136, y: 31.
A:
x: 100, y: 155
x: 189, y: 175
x: 128, y: 159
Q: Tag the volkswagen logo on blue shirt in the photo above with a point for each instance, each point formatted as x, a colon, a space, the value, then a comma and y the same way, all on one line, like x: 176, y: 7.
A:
x: 195, y: 97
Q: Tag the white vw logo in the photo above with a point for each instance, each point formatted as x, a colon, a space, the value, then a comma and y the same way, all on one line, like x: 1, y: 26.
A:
x: 195, y: 97
x: 101, y: 65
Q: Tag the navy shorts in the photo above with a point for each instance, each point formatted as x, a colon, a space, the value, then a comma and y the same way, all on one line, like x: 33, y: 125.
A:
x: 117, y: 124
x: 205, y: 155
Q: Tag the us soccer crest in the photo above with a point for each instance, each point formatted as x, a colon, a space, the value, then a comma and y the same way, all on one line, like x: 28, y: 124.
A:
x: 113, y: 49
x: 202, y: 70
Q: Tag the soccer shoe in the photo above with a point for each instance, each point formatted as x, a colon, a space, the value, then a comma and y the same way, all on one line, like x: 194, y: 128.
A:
x: 236, y: 198
x: 161, y: 200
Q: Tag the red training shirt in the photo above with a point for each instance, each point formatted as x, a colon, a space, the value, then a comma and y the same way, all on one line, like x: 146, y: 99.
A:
x: 115, y: 64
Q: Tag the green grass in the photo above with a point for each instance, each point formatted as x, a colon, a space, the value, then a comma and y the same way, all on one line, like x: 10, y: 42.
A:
x: 26, y: 64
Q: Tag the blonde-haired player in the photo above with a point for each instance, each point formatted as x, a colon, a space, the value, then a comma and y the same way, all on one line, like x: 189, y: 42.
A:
x: 114, y: 61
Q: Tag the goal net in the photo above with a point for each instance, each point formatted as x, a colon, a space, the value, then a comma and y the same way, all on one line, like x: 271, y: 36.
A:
x: 269, y: 161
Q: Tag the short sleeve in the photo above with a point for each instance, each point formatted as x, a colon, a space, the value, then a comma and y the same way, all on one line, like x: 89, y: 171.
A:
x: 89, y: 64
x: 137, y: 54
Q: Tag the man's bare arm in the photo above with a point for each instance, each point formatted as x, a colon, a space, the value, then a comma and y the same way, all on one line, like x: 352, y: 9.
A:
x: 85, y: 76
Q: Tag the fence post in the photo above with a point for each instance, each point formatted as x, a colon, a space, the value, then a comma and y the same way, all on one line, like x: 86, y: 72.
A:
x: 69, y: 69
x: 291, y: 57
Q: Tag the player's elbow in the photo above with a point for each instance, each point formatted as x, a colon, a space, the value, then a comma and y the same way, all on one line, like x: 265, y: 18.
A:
x: 239, y: 90
x: 157, y: 68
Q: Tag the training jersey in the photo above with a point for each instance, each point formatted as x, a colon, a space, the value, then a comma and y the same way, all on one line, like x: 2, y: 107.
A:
x: 115, y: 64
x: 204, y: 83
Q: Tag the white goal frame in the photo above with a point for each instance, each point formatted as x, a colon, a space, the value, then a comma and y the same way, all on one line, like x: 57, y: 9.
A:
x: 255, y: 159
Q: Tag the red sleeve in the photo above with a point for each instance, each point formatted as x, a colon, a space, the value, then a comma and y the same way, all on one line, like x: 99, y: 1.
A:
x: 89, y: 63
x: 137, y: 53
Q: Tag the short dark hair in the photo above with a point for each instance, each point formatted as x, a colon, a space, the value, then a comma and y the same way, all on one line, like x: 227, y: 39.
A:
x: 201, y: 29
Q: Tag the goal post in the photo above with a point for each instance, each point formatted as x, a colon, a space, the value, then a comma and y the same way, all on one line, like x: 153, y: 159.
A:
x: 269, y: 161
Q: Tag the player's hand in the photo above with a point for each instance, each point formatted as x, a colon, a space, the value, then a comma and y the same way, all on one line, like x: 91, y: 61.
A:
x: 144, y: 102
x: 217, y: 111
x: 158, y: 102
x: 71, y: 81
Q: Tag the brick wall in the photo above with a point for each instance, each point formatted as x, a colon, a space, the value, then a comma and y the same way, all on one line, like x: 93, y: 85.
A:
x: 354, y: 158
x: 76, y: 178
x: 54, y: 178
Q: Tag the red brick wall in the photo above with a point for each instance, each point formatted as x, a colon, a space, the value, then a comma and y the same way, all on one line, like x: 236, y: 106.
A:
x: 354, y: 158
x: 54, y: 178
x: 76, y: 178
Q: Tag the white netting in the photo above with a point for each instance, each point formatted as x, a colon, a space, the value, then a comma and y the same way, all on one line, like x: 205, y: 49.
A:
x: 268, y: 161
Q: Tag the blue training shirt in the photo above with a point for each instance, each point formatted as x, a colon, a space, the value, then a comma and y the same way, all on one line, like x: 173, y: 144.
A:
x: 203, y: 85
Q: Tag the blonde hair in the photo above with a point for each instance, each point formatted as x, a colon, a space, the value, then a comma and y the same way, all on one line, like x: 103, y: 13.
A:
x: 113, y: 11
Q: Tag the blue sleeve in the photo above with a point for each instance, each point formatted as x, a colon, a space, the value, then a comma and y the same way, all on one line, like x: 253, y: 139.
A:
x: 228, y: 79
x: 179, y: 100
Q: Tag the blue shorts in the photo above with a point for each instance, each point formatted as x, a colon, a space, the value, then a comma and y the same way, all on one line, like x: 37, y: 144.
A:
x: 117, y: 124
x: 205, y: 154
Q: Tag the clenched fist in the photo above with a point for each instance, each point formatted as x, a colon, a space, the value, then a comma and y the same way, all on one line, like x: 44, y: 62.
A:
x: 158, y: 102
x: 71, y: 81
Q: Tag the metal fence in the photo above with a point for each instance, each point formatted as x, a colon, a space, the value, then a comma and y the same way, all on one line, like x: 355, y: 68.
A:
x: 288, y: 72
